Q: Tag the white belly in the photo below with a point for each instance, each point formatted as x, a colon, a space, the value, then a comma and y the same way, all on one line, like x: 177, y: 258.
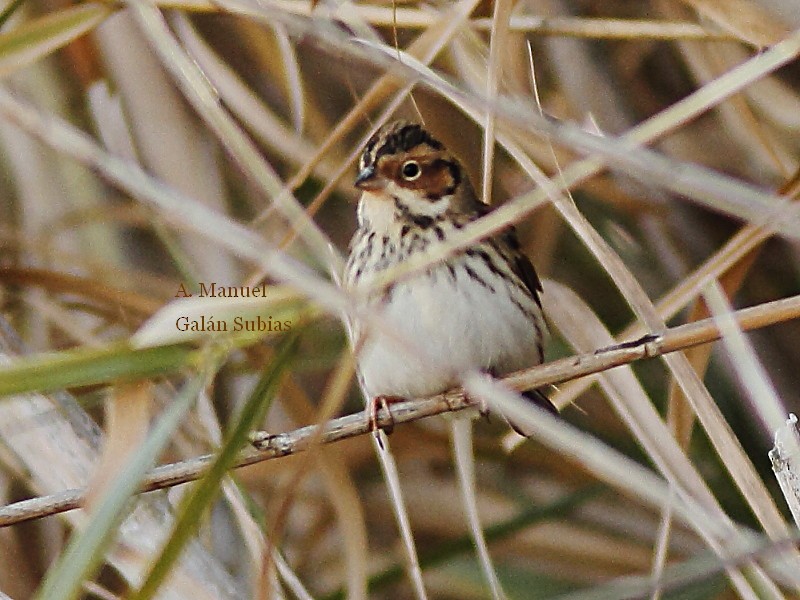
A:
x: 452, y: 331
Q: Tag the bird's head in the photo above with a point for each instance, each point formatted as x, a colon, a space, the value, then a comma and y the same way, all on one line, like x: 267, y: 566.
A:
x: 403, y: 162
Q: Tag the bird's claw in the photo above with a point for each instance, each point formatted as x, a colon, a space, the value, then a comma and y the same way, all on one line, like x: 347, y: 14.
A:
x: 373, y: 420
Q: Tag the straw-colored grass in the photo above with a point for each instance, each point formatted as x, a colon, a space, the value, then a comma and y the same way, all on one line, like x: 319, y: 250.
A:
x: 648, y: 155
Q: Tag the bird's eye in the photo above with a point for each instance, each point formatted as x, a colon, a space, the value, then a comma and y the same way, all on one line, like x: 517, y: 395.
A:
x: 411, y: 170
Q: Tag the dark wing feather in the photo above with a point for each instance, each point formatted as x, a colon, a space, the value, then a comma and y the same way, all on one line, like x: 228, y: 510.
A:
x: 521, y: 264
x: 523, y: 268
x: 509, y: 245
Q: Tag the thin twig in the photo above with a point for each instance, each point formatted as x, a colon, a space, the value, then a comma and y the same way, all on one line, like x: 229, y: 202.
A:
x: 292, y: 442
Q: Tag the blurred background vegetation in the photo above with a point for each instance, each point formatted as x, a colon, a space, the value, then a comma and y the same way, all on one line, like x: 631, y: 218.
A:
x: 239, y: 115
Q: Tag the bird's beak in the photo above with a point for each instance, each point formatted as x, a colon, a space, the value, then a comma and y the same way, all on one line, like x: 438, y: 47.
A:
x: 369, y: 180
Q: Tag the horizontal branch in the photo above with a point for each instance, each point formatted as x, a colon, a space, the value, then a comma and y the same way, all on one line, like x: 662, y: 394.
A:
x: 298, y: 440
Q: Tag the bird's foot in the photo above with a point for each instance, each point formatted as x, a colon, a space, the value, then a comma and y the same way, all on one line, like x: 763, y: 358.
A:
x: 374, y: 406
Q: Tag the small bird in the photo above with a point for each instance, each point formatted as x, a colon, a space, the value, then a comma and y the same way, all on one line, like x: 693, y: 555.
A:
x: 479, y: 309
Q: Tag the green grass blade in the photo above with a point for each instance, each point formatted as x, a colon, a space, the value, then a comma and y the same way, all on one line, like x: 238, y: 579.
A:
x: 37, y: 38
x: 157, y: 349
x: 86, y: 550
x: 9, y: 11
x: 90, y: 366
x: 205, y: 490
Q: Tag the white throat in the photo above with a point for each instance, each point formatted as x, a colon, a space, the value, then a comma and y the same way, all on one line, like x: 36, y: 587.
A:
x: 376, y: 212
x: 383, y: 212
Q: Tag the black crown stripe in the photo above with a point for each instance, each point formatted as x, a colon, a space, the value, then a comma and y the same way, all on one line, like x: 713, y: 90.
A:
x: 404, y: 139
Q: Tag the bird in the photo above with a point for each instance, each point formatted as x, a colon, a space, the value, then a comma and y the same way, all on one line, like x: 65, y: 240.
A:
x: 478, y: 309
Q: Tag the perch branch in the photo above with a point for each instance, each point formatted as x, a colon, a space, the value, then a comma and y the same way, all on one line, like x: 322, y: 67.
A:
x: 557, y: 371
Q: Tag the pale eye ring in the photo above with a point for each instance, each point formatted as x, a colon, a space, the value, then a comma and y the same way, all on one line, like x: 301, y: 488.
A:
x: 410, y: 170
